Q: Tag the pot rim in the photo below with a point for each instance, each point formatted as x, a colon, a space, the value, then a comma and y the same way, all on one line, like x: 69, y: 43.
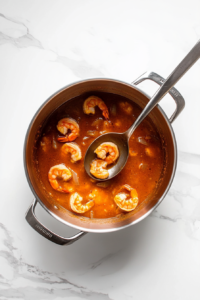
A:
x: 109, y: 229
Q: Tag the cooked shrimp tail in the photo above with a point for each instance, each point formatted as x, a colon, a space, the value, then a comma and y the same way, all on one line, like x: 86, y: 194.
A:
x: 108, y: 152
x: 91, y: 102
x: 59, y: 172
x: 62, y: 139
x: 66, y: 124
x: 124, y: 203
x: 77, y: 206
x: 98, y: 168
x: 74, y: 149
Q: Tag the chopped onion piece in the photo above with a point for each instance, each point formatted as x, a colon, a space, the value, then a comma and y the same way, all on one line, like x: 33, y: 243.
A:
x: 75, y: 177
x: 102, y: 132
x: 113, y: 110
x: 107, y: 124
x: 97, y: 122
x: 86, y: 137
x: 142, y: 141
x: 143, y: 166
x: 54, y: 144
x: 92, y: 132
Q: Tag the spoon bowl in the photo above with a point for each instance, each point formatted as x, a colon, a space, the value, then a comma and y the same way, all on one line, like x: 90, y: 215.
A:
x: 120, y: 139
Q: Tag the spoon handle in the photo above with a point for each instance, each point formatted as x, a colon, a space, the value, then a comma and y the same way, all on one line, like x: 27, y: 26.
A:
x: 180, y: 70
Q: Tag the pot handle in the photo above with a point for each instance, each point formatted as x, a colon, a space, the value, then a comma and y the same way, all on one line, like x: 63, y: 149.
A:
x: 44, y: 231
x: 179, y: 100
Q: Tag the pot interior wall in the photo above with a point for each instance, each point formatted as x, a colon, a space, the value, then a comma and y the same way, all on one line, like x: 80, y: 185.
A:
x: 108, y: 86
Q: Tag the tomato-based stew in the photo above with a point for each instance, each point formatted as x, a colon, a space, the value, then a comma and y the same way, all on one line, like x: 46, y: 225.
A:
x: 65, y: 139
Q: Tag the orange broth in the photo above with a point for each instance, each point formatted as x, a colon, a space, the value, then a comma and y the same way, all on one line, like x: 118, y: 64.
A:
x: 142, y: 171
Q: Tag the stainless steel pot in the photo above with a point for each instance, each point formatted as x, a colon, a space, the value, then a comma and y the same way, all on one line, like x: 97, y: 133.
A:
x: 164, y: 128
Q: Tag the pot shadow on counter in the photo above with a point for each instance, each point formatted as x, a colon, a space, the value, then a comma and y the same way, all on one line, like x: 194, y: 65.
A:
x: 98, y: 254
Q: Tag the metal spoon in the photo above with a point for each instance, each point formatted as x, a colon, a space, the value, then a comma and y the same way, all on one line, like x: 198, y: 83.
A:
x: 122, y: 139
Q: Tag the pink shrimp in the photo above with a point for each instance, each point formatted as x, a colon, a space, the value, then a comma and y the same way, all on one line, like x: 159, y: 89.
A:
x: 68, y: 124
x: 91, y: 102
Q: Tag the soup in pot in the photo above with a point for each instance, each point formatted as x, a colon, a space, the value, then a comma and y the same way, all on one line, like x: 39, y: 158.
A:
x: 65, y: 139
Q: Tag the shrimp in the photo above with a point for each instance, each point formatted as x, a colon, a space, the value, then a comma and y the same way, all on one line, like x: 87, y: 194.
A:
x: 124, y: 203
x: 107, y: 151
x: 91, y: 102
x: 59, y: 172
x: 45, y: 143
x: 68, y: 124
x: 74, y: 149
x: 98, y: 168
x: 77, y: 206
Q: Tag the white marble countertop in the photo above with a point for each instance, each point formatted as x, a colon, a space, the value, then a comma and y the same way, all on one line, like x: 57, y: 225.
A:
x: 45, y: 45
